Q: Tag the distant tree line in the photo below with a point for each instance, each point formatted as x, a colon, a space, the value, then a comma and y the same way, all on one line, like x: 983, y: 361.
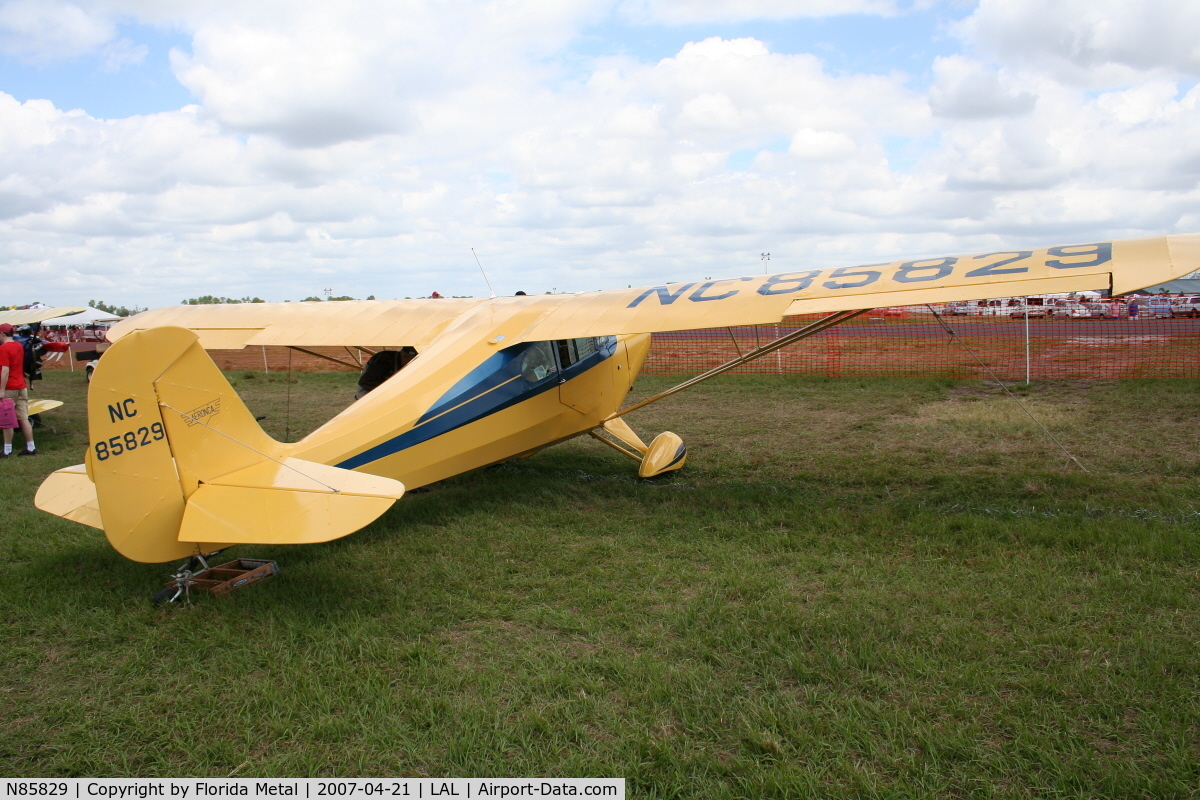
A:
x: 116, y: 311
x: 210, y: 300
x: 204, y: 300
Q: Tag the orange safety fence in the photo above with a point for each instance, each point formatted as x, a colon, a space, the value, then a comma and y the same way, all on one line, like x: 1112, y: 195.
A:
x: 908, y: 343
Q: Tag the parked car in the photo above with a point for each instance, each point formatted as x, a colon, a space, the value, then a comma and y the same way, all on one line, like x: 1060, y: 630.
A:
x: 1073, y: 310
x: 988, y: 308
x: 1186, y: 307
x: 1016, y: 309
x: 1156, y: 308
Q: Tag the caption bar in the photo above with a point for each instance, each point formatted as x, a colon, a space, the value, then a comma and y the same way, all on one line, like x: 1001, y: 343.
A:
x: 375, y: 788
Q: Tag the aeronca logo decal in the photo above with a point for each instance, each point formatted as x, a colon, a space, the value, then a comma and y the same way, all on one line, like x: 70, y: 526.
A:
x: 985, y: 266
x: 203, y: 413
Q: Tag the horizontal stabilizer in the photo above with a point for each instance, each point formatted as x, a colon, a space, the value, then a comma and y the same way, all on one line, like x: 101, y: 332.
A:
x: 293, y: 502
x: 70, y: 493
x: 42, y: 406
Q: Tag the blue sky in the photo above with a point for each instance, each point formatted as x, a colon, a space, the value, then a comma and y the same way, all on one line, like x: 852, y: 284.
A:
x: 85, y: 82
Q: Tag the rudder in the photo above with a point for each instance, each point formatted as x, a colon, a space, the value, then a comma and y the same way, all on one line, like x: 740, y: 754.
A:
x: 138, y: 487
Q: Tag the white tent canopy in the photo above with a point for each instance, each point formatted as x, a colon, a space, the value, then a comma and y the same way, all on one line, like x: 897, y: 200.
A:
x: 90, y: 316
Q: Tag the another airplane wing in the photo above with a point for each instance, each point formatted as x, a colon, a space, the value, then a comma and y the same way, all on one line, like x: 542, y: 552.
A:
x: 28, y: 316
x: 335, y: 323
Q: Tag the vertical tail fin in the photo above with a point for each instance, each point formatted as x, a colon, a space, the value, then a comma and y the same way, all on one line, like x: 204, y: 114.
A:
x: 180, y: 465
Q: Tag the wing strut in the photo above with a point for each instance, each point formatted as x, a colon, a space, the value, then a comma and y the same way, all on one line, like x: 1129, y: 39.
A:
x: 350, y: 364
x: 758, y: 352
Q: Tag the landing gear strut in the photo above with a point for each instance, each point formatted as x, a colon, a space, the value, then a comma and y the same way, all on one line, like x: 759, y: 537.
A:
x: 182, y: 581
x: 195, y: 573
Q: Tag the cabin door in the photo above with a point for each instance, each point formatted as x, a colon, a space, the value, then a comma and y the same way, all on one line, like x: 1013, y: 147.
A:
x: 587, y: 389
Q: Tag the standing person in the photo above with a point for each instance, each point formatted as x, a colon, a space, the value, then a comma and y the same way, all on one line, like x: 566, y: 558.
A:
x: 1133, y: 309
x: 12, y: 380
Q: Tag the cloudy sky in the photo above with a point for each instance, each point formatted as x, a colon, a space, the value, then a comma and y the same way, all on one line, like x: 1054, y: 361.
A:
x: 154, y: 150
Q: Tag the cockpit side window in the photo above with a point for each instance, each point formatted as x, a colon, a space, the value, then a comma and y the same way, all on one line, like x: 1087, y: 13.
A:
x: 538, y: 363
x: 572, y: 351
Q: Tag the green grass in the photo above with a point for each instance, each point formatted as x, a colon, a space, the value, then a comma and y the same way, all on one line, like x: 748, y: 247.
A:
x: 856, y: 588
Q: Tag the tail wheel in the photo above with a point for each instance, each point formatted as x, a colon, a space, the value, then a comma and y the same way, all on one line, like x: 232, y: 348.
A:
x: 167, y: 594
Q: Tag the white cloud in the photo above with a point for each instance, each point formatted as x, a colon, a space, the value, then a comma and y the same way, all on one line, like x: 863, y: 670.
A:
x: 48, y: 30
x: 813, y: 145
x: 1153, y: 101
x: 310, y: 81
x: 1098, y: 42
x: 317, y: 74
x: 966, y: 89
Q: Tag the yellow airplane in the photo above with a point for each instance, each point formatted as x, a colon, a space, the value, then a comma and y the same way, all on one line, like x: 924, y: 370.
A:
x: 177, y: 465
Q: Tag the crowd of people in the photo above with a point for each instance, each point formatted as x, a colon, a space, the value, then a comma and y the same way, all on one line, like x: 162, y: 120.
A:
x: 75, y: 334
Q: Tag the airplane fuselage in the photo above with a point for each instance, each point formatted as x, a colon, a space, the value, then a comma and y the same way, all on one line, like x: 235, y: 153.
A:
x: 470, y: 402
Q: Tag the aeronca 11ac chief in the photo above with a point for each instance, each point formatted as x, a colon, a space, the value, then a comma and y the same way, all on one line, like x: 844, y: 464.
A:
x: 177, y: 465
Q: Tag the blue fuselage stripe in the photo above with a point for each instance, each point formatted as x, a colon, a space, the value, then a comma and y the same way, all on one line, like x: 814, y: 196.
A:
x: 486, y: 390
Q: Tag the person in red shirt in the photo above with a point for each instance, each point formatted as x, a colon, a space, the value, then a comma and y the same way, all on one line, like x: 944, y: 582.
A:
x: 12, y: 382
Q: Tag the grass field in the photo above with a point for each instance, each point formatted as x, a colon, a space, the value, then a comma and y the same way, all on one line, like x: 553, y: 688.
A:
x: 856, y: 588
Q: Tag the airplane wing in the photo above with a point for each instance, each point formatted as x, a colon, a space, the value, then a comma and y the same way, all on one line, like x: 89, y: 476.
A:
x: 1120, y: 266
x: 28, y: 316
x: 335, y: 323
